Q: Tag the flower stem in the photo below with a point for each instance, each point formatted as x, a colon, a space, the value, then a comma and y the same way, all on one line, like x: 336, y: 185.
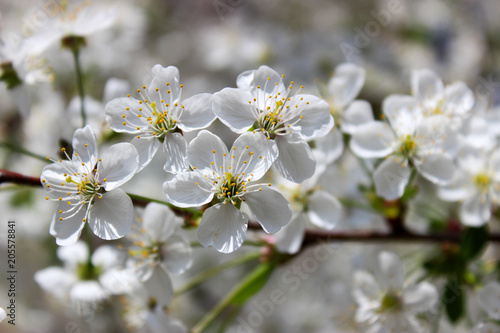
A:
x: 140, y: 200
x: 79, y: 82
x: 208, y: 274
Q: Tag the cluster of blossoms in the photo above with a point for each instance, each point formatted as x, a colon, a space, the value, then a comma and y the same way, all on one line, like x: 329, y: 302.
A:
x: 285, y: 137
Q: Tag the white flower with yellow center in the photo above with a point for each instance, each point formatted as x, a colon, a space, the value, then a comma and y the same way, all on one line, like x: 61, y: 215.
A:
x: 406, y: 139
x: 264, y: 103
x: 476, y: 184
x: 229, y: 176
x: 160, y: 117
x: 86, y: 188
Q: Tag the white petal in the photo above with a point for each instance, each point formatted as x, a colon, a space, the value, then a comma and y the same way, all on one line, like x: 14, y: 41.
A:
x: 372, y: 140
x: 457, y: 189
x: 269, y: 81
x: 419, y: 298
x: 365, y: 287
x: 86, y: 154
x: 224, y: 227
x: 358, y: 113
x: 3, y: 315
x: 159, y: 287
x: 232, y: 107
x: 269, y: 208
x: 316, y: 118
x: 146, y: 148
x: 434, y: 134
x: 389, y: 271
x: 68, y: 230
x: 289, y: 238
x: 458, y: 99
x: 427, y: 87
x: 117, y: 108
x: 188, y: 189
x: 161, y: 76
x: 118, y: 281
x: 391, y: 178
x: 489, y: 299
x: 201, y: 152
x: 295, y: 160
x: 330, y: 147
x: 175, y: 149
x: 55, y: 281
x: 438, y: 168
x: 118, y: 164
x: 108, y: 257
x: 257, y: 158
x: 88, y: 291
x: 403, y: 113
x: 159, y: 222
x: 111, y: 216
x: 475, y: 211
x: 346, y: 84
x: 73, y: 255
x: 324, y: 210
x: 197, y: 113
x: 177, y: 255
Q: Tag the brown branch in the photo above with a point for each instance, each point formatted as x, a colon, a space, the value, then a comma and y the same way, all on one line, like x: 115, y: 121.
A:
x: 312, y: 236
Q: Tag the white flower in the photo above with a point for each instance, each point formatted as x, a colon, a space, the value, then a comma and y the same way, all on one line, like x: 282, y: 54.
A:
x: 263, y: 102
x: 229, y: 177
x: 82, y: 279
x: 160, y: 117
x: 476, y: 183
x: 489, y: 301
x: 86, y: 188
x: 3, y: 315
x: 408, y: 138
x: 384, y: 303
x: 454, y: 101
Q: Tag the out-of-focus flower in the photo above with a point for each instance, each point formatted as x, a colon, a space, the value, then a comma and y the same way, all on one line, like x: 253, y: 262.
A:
x: 384, y: 303
x: 262, y: 102
x: 3, y: 315
x: 160, y: 117
x: 229, y: 176
x: 489, y: 300
x: 86, y: 188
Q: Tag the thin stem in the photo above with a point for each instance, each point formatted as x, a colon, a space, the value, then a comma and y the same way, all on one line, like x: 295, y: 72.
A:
x: 79, y: 83
x: 21, y: 150
x: 142, y: 201
x: 208, y: 274
x: 355, y: 204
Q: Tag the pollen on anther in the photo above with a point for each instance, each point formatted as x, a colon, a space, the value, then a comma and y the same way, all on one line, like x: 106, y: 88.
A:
x: 46, y: 198
x: 60, y: 219
x: 156, y: 89
x: 128, y: 95
x: 138, y: 90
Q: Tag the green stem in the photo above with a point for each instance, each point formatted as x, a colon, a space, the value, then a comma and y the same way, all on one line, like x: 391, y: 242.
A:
x: 21, y: 150
x: 192, y: 211
x: 79, y: 82
x: 230, y: 297
x: 354, y: 204
x: 208, y: 274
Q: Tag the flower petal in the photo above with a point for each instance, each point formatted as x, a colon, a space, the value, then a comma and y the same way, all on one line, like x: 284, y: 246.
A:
x: 201, y: 152
x: 257, y: 158
x: 269, y: 208
x: 316, y: 119
x: 88, y: 291
x: 68, y: 230
x: 346, y: 84
x: 175, y: 149
x: 118, y: 164
x: 358, y: 113
x: 458, y: 99
x: 197, y: 113
x: 166, y: 80
x: 295, y: 160
x: 128, y: 107
x: 146, y: 148
x: 475, y: 211
x: 55, y: 280
x: 188, y: 189
x: 403, y: 113
x: 372, y: 139
x: 177, y: 255
x: 262, y: 82
x: 427, y: 87
x: 232, y: 107
x: 390, y: 271
x: 224, y: 227
x: 159, y: 286
x: 159, y: 222
x: 324, y: 210
x: 438, y: 168
x: 489, y: 299
x: 111, y: 216
x: 289, y: 238
x: 73, y: 255
x: 419, y: 298
x: 329, y: 148
x: 365, y: 287
x: 391, y: 178
x: 85, y: 145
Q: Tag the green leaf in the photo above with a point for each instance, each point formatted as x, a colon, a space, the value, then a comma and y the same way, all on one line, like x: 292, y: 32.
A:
x: 454, y: 300
x: 253, y: 284
x: 473, y: 242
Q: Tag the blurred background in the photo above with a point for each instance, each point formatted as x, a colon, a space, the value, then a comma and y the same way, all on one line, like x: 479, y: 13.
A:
x: 212, y: 42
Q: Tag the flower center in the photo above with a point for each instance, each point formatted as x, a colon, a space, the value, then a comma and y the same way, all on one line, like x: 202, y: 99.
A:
x: 231, y: 188
x: 88, y: 188
x: 390, y: 302
x: 482, y: 181
x: 407, y: 147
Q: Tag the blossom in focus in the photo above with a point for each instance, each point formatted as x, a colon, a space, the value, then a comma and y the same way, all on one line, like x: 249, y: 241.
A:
x: 229, y: 177
x: 384, y: 303
x: 263, y: 103
x: 160, y: 117
x: 86, y: 189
